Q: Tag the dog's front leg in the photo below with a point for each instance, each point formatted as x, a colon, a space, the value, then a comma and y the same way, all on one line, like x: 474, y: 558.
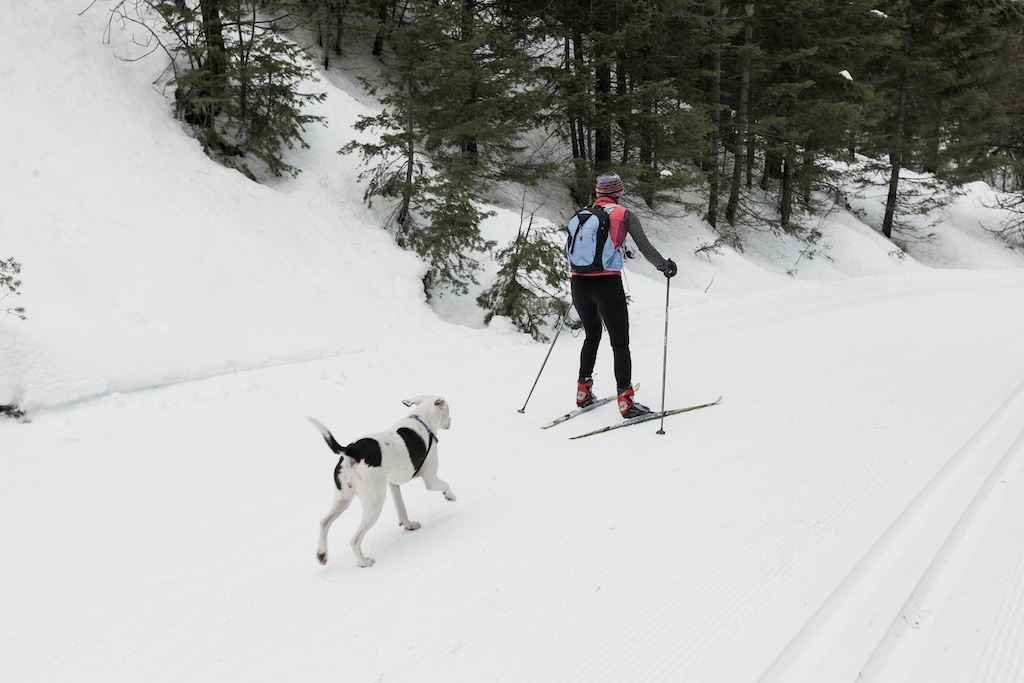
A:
x: 403, y: 516
x: 431, y: 480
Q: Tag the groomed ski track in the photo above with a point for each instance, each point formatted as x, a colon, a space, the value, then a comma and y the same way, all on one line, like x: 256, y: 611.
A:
x: 902, y: 609
x: 851, y: 512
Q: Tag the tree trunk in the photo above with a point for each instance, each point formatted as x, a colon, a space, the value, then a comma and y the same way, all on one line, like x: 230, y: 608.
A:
x: 403, y: 218
x: 216, y: 60
x: 786, y: 199
x: 715, y: 176
x: 602, y: 124
x: 339, y: 27
x: 742, y: 118
x: 896, y: 153
x: 773, y: 169
x: 624, y: 122
x: 579, y: 190
x: 382, y: 22
x: 895, y: 163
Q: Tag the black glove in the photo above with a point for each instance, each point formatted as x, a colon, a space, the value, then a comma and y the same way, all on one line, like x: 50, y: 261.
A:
x: 669, y: 268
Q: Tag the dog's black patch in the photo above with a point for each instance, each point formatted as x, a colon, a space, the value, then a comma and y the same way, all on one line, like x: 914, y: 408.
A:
x: 414, y: 444
x: 365, y: 450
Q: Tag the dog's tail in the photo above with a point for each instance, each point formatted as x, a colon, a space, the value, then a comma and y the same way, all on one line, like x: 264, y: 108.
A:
x: 328, y: 437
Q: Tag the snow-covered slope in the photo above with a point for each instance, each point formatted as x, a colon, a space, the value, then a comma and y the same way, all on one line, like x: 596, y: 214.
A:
x: 145, y: 263
x: 853, y: 507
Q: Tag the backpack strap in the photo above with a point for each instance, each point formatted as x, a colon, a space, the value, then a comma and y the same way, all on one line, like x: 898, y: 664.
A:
x: 618, y: 238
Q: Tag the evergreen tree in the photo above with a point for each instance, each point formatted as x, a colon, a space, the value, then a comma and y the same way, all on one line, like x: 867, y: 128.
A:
x: 738, y: 129
x: 623, y: 89
x: 237, y: 80
x: 665, y: 112
x: 455, y: 105
x: 1008, y: 137
x: 340, y: 22
x: 9, y: 284
x: 939, y: 77
x: 328, y: 21
x: 806, y: 101
x: 1008, y: 141
x: 529, y: 287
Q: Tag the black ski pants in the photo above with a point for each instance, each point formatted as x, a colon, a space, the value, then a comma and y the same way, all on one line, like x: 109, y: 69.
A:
x: 601, y: 299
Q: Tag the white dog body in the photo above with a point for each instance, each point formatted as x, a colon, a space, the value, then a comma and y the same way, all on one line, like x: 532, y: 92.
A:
x: 385, y: 460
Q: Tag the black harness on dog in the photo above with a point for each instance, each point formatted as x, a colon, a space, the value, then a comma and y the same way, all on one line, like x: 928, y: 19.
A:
x: 414, y: 444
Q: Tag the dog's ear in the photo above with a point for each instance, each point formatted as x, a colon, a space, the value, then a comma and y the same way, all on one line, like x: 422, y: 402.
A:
x: 439, y: 402
x: 413, y: 401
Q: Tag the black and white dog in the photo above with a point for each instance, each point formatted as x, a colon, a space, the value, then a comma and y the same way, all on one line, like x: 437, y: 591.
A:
x: 394, y: 457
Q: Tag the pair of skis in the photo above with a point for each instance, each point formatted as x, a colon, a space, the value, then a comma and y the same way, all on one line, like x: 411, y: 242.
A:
x: 646, y: 417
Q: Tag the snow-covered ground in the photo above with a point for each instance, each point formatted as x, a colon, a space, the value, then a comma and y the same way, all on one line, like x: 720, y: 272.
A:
x: 853, y: 509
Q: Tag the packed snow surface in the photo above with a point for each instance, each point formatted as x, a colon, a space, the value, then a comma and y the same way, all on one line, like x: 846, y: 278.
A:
x: 852, y: 510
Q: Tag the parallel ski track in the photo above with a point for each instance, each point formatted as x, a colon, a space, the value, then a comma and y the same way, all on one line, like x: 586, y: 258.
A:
x: 860, y: 631
x: 1003, y: 659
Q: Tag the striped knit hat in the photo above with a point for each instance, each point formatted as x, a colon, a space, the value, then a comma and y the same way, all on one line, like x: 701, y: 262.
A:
x: 609, y: 184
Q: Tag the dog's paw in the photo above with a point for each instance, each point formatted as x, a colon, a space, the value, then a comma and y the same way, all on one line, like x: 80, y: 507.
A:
x: 449, y: 495
x: 410, y: 525
x: 366, y: 562
x: 322, y: 557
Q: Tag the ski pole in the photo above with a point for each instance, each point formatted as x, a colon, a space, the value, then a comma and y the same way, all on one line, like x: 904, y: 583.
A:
x: 550, y: 349
x: 664, y: 361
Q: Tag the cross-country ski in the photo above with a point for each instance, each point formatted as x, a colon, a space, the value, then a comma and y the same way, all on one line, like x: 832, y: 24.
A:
x: 647, y: 417
x: 579, y: 411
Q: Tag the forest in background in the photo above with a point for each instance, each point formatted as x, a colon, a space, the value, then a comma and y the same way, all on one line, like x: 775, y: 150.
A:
x: 758, y: 106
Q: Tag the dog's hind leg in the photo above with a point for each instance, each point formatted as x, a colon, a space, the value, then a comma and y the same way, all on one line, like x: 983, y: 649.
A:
x: 430, y: 479
x: 342, y: 499
x: 372, y: 500
x: 403, y: 516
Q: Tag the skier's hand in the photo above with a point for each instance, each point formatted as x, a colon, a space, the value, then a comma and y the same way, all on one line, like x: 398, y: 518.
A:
x: 669, y: 268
